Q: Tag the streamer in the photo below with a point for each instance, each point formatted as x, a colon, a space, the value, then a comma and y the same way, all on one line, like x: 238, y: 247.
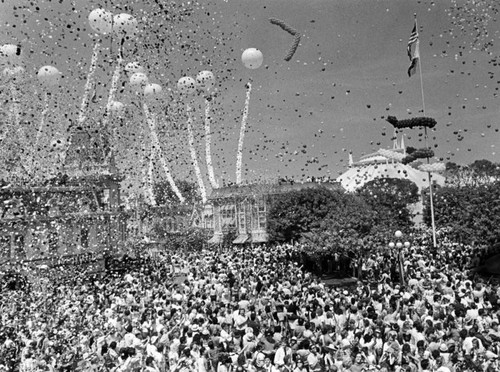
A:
x: 414, y: 154
x: 412, y: 123
x: 291, y: 31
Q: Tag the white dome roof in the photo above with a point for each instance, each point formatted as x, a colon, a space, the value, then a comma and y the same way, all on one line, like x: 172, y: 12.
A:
x: 361, y: 174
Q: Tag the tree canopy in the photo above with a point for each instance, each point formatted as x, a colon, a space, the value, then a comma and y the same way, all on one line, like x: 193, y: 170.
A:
x: 479, y: 172
x: 296, y: 212
x: 342, y: 222
x: 390, y: 197
x: 470, y: 213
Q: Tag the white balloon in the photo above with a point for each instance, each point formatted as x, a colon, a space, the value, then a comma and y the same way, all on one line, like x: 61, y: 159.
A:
x: 101, y: 21
x: 252, y: 58
x: 205, y: 80
x: 49, y: 75
x: 117, y: 107
x: 124, y: 24
x: 133, y: 67
x: 9, y: 50
x: 138, y: 80
x: 152, y: 89
x: 186, y: 85
x: 10, y: 54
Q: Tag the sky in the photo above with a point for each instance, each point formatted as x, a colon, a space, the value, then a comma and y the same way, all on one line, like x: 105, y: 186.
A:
x: 305, y: 116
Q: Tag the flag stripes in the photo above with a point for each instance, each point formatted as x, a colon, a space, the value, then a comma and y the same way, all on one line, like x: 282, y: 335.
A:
x: 413, y: 50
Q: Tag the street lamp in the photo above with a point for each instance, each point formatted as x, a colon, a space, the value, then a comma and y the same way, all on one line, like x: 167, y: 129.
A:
x: 399, y: 245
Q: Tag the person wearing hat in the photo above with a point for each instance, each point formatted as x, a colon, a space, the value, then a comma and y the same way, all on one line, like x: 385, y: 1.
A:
x: 299, y: 365
x: 249, y: 340
x: 293, y: 344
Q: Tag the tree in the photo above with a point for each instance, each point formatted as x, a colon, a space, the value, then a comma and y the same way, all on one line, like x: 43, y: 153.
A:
x: 479, y: 172
x: 470, y: 213
x: 297, y: 212
x: 329, y: 222
x: 484, y: 171
x: 390, y: 197
x: 352, y: 228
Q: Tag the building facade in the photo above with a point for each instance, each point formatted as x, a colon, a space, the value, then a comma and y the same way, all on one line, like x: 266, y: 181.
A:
x: 244, y: 209
x: 76, y: 220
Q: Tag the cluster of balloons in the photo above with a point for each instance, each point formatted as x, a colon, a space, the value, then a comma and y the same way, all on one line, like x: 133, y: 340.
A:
x: 414, y: 154
x: 139, y: 81
x: 10, y: 58
x: 412, y: 122
x: 104, y: 22
x: 205, y: 81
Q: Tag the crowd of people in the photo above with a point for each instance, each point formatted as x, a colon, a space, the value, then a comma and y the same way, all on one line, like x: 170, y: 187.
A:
x: 255, y: 309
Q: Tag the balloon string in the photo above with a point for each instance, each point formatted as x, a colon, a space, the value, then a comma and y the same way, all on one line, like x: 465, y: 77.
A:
x: 39, y: 131
x: 149, y: 177
x: 88, y: 83
x: 16, y: 116
x: 42, y: 119
x: 156, y: 145
x: 194, y: 157
x: 208, y: 144
x: 85, y: 98
x: 111, y: 98
x: 239, y: 157
x: 16, y: 120
x: 113, y: 89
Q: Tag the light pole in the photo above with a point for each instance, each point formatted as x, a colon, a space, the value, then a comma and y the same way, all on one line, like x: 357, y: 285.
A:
x: 399, y: 245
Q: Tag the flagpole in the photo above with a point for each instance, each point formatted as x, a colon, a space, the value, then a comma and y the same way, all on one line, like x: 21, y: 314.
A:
x: 431, y: 202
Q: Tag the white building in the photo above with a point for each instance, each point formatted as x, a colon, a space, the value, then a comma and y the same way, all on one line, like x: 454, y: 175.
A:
x: 387, y: 164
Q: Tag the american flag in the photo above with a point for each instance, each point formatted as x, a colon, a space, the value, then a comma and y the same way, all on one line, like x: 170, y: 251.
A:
x: 413, y: 50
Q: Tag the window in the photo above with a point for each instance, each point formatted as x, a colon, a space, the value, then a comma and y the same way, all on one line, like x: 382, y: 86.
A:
x: 242, y: 218
x: 84, y: 237
x: 37, y: 240
x: 105, y: 198
x: 255, y: 215
x: 5, y: 246
x: 228, y: 216
x: 262, y: 214
x: 53, y: 239
x: 208, y: 213
x: 19, y: 246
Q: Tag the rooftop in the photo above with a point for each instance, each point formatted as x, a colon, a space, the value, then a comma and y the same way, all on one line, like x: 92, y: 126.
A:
x: 241, y: 191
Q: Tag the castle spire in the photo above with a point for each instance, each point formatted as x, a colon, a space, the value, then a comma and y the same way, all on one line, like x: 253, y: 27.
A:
x: 395, y: 141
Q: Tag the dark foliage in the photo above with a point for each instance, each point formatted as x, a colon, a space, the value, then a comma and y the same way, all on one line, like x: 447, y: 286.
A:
x: 471, y: 214
x: 390, y: 198
x: 296, y: 212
